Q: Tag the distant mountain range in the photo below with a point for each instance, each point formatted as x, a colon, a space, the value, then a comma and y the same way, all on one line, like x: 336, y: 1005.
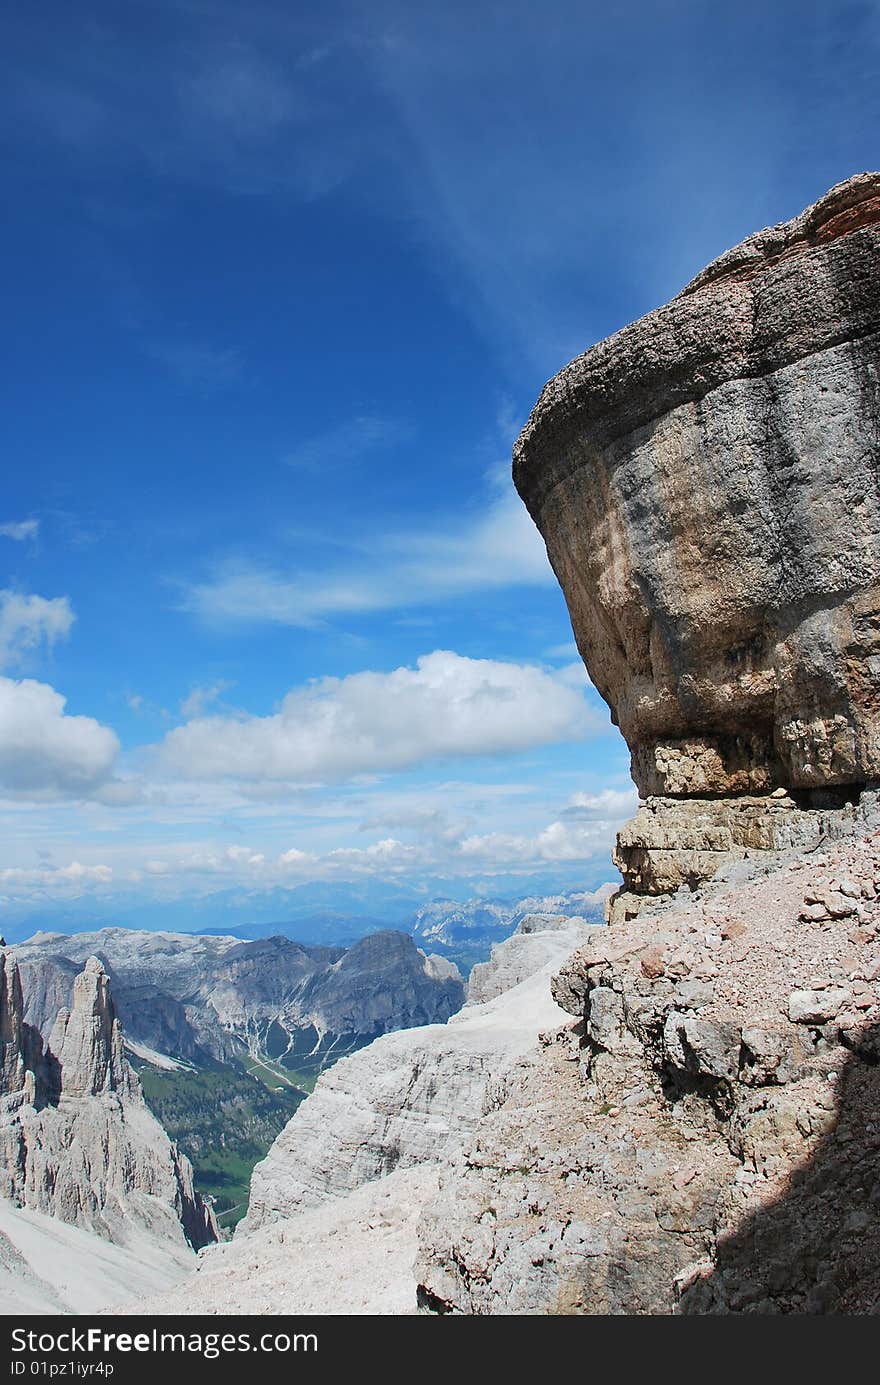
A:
x: 229, y: 1028
x: 315, y: 912
x: 462, y: 931
x: 228, y: 1035
x: 203, y: 999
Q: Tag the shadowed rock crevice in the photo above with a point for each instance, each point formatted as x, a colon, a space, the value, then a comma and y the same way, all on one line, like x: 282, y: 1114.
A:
x: 816, y: 1249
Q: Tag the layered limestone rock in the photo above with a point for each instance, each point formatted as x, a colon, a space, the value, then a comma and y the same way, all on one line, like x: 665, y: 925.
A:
x: 77, y: 1140
x: 411, y: 1097
x: 705, y: 481
x: 703, y: 1136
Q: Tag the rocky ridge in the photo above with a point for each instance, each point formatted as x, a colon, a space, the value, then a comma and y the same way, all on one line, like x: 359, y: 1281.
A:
x: 202, y: 998
x: 702, y: 1137
x: 705, y: 483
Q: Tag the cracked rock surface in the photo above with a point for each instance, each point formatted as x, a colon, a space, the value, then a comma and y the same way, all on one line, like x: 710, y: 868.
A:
x: 705, y: 1134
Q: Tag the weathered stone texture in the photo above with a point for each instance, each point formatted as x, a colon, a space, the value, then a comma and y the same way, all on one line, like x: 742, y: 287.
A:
x: 703, y: 1137
x: 706, y: 483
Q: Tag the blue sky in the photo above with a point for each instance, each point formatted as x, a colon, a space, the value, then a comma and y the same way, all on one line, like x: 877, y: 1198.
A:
x: 282, y: 283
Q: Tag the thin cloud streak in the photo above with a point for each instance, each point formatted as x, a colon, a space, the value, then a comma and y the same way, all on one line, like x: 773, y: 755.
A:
x: 19, y: 530
x: 349, y: 441
x: 501, y: 548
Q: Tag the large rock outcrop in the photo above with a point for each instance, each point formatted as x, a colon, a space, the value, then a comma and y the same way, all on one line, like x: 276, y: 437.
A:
x: 77, y: 1141
x: 706, y: 484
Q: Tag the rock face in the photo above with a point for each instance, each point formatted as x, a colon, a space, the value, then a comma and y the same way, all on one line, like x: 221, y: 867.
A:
x: 705, y: 481
x: 77, y: 1141
x: 201, y: 998
x: 703, y: 1136
x: 410, y: 1097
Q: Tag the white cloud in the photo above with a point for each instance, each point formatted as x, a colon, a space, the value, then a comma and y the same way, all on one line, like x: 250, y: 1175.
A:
x: 295, y: 857
x: 45, y: 753
x: 198, y: 698
x: 70, y: 879
x: 26, y: 621
x: 77, y: 873
x: 610, y: 803
x: 498, y: 548
x: 558, y: 841
x: 20, y: 529
x: 338, y: 728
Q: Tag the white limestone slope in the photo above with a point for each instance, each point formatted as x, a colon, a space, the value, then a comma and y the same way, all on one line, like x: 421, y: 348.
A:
x: 410, y: 1097
x: 50, y: 1267
x: 336, y: 1203
x: 350, y: 1256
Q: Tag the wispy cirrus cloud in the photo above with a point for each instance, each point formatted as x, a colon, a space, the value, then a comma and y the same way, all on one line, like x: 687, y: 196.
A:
x: 21, y: 529
x: 198, y: 364
x: 211, y: 96
x: 349, y: 441
x: 28, y: 621
x: 497, y: 548
x: 202, y: 696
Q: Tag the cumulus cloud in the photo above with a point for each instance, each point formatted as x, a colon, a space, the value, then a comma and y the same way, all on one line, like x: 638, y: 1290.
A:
x: 610, y: 803
x: 70, y: 879
x: 46, y: 753
x: 338, y: 728
x: 26, y: 621
x: 20, y: 529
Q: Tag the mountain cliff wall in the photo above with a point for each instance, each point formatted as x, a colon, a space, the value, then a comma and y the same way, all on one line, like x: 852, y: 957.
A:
x: 706, y: 484
x: 703, y: 1136
x: 77, y: 1141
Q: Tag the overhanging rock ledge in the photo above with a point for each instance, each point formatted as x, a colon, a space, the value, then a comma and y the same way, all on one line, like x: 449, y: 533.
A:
x: 706, y: 482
